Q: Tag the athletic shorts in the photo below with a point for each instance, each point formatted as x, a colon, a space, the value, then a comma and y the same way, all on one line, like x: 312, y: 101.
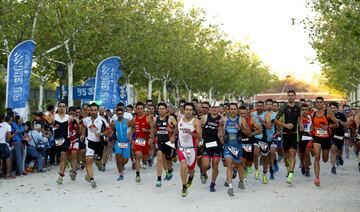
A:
x: 338, y: 142
x: 142, y: 146
x: 235, y: 153
x: 199, y: 152
x: 325, y: 142
x: 82, y: 145
x: 189, y: 155
x: 168, y: 151
x: 94, y: 149
x: 248, y: 149
x: 4, y: 151
x: 123, y: 149
x: 289, y: 141
x: 264, y: 147
x: 74, y: 146
x: 304, y: 141
x: 64, y: 147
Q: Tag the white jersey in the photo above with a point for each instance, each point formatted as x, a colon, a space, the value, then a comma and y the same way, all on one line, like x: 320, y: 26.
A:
x: 94, y: 127
x: 186, y: 139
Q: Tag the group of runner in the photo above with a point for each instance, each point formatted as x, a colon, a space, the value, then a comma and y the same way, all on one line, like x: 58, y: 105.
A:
x: 203, y: 134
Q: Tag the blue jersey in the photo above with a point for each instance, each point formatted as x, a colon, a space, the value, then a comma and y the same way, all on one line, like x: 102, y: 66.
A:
x: 121, y: 131
x: 270, y: 133
x: 262, y: 117
x: 232, y: 134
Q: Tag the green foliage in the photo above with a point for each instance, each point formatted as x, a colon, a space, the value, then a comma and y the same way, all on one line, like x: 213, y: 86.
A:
x: 158, y: 36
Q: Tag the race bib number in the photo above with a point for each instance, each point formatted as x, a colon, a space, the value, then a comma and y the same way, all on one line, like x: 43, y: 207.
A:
x: 247, y: 147
x: 321, y: 132
x: 170, y: 144
x: 305, y: 138
x: 59, y: 141
x: 245, y: 140
x: 122, y: 145
x: 279, y: 138
x: 140, y: 142
x: 338, y: 137
x: 211, y: 144
x: 347, y: 135
x: 234, y: 150
x: 263, y: 146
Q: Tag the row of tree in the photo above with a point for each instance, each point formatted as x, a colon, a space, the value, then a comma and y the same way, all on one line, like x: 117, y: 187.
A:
x: 162, y: 45
x: 335, y: 34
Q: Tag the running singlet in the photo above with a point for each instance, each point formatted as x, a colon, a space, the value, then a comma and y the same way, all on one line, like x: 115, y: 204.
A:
x: 262, y: 117
x: 185, y: 139
x: 232, y: 134
x: 210, y: 131
x: 138, y: 125
x: 163, y: 135
x: 270, y: 133
x: 319, y: 122
x: 61, y: 129
x: 291, y: 116
x: 121, y: 130
x: 306, y: 122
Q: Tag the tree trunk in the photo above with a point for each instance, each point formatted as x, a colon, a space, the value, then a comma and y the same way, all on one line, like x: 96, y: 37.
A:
x: 177, y: 94
x: 70, y: 84
x: 165, y: 94
x: 189, y: 95
x: 149, y: 90
x: 41, y: 94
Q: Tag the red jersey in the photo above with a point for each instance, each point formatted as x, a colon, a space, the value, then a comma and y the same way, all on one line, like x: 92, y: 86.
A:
x: 140, y: 123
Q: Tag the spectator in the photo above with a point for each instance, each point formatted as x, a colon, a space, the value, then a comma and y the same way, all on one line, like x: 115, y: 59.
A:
x: 36, y: 146
x: 17, y: 154
x: 5, y: 137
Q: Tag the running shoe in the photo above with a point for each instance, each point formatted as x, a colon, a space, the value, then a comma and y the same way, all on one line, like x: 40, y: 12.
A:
x: 256, y: 174
x: 234, y: 173
x: 168, y: 175
x: 230, y: 192
x: 249, y: 170
x: 241, y: 185
x: 307, y: 172
x: 87, y: 178
x: 203, y: 180
x: 150, y: 161
x: 158, y: 184
x: 120, y: 178
x: 226, y: 184
x: 188, y: 184
x: 290, y: 178
x: 138, y: 179
x: 341, y: 161
x: 73, y: 176
x: 184, y: 192
x: 303, y: 170
x: 333, y: 170
x: 93, y: 184
x: 317, y: 181
x: 272, y: 175
x: 60, y: 180
x: 264, y: 179
x: 212, y: 187
x: 276, y: 167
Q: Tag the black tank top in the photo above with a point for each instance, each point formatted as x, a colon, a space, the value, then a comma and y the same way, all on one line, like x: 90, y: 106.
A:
x: 161, y: 129
x: 61, y: 127
x: 210, y: 130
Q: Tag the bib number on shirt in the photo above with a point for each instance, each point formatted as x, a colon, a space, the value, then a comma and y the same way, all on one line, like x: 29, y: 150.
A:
x: 233, y: 150
x: 211, y: 144
x: 59, y: 141
x: 247, y: 147
x: 140, y: 142
x: 347, y: 135
x: 338, y: 137
x: 305, y: 138
x: 320, y: 132
x: 263, y: 145
x: 123, y: 145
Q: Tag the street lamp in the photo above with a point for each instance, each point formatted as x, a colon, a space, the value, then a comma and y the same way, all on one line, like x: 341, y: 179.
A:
x: 60, y: 73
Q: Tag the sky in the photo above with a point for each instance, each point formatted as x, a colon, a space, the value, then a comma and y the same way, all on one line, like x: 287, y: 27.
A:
x: 267, y: 26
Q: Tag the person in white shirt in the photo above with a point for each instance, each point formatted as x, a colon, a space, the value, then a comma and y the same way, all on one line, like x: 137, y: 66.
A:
x: 5, y: 137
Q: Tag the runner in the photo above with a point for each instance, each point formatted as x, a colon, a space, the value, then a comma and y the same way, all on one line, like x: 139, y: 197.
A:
x: 62, y: 141
x: 123, y: 129
x: 271, y: 138
x: 93, y: 128
x: 143, y: 131
x: 212, y: 147
x: 247, y: 141
x: 165, y: 141
x: 231, y: 130
x: 152, y: 115
x: 260, y: 141
x: 321, y: 129
x: 337, y: 137
x: 202, y: 111
x: 74, y: 134
x: 305, y: 139
x: 189, y: 131
x: 356, y: 144
x: 289, y: 113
